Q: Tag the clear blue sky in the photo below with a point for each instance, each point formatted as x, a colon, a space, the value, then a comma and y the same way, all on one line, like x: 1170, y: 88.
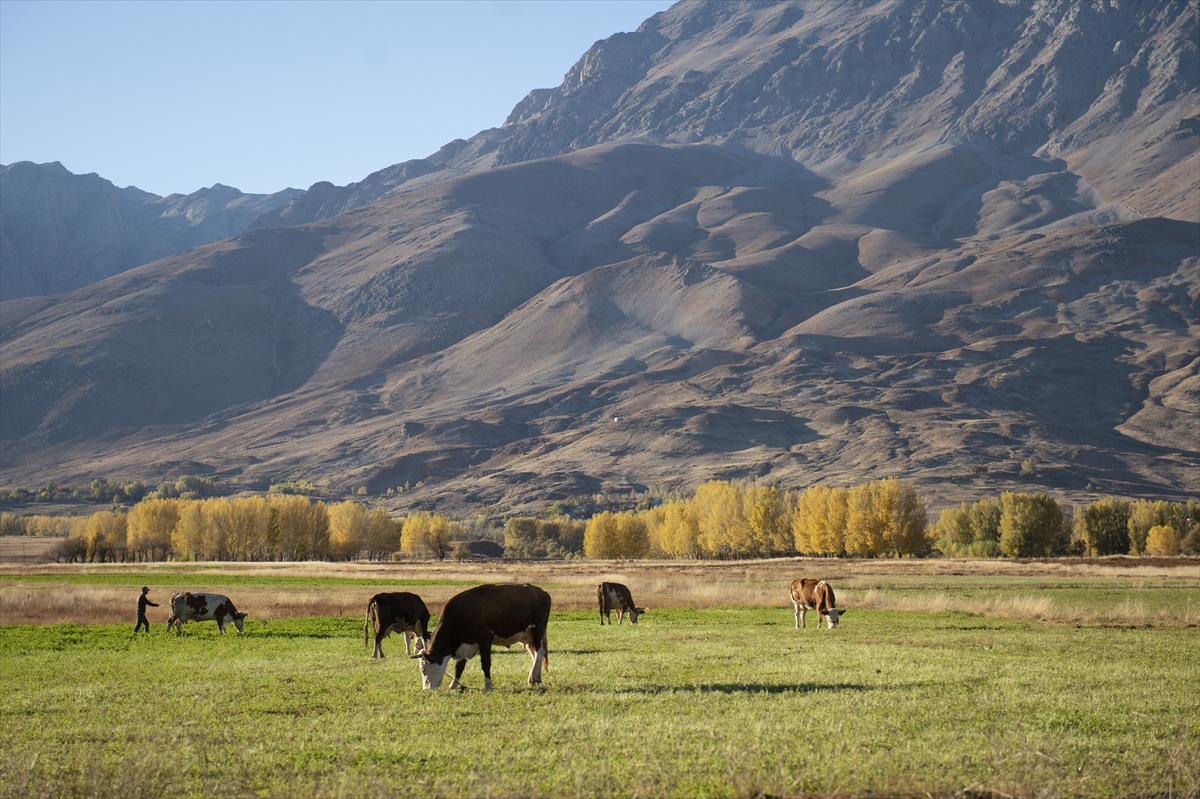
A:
x: 174, y: 96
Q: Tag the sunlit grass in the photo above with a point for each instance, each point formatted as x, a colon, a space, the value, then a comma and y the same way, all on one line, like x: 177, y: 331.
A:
x: 691, y: 702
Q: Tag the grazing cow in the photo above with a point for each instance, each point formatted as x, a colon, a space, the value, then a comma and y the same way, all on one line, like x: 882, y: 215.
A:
x: 479, y: 617
x: 614, y: 596
x: 402, y: 613
x: 809, y: 593
x: 186, y: 606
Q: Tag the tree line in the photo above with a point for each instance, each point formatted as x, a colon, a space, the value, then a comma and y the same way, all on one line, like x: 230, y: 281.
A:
x: 887, y: 518
x: 721, y: 520
x: 255, y: 528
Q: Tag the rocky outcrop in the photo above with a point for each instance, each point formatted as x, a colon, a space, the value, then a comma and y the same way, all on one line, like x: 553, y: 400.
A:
x: 62, y: 231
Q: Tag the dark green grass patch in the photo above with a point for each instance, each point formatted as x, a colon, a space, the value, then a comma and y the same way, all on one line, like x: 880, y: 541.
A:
x: 714, y: 702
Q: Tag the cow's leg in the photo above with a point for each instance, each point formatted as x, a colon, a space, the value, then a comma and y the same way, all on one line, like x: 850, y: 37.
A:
x: 408, y: 641
x: 485, y: 661
x: 796, y: 613
x: 379, y: 636
x: 221, y: 626
x: 538, y: 651
x: 459, y: 665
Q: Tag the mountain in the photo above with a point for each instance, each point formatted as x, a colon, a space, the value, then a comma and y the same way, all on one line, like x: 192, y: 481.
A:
x: 795, y: 241
x: 60, y: 231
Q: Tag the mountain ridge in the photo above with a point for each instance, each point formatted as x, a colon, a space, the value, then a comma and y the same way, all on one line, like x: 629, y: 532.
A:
x: 60, y: 231
x: 637, y: 310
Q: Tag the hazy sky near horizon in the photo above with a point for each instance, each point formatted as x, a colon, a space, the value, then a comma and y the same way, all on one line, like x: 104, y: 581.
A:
x: 174, y: 96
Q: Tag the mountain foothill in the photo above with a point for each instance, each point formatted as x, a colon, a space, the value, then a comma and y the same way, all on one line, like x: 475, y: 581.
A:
x: 806, y: 242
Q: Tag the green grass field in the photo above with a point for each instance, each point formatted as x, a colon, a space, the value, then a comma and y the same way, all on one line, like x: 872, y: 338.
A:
x: 712, y: 702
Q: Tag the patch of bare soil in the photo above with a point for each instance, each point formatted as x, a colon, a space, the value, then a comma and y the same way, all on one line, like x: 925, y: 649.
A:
x: 24, y: 549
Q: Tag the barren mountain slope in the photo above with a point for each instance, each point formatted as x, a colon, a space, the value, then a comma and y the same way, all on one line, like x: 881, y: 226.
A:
x: 1109, y: 87
x: 60, y: 231
x: 883, y: 264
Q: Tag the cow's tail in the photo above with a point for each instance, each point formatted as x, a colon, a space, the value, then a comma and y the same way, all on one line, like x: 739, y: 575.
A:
x: 370, y: 622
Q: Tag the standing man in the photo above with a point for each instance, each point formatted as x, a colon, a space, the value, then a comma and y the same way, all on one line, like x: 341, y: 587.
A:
x: 143, y: 601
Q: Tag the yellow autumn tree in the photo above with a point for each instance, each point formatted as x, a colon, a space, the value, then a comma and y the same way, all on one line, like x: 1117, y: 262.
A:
x: 633, y: 535
x: 1162, y: 540
x: 904, y: 519
x: 300, y: 527
x: 383, y: 535
x: 348, y: 522
x: 770, y: 522
x: 151, y: 523
x: 249, y: 527
x: 104, y: 532
x: 819, y: 521
x: 678, y: 531
x: 602, y: 538
x: 429, y: 534
x: 719, y: 508
x: 217, y: 529
x: 187, y: 539
x: 864, y: 527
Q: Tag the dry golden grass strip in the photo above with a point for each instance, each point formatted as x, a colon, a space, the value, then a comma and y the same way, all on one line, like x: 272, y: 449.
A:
x: 572, y: 584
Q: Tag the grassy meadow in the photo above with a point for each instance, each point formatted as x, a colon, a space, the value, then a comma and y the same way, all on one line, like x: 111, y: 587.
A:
x: 936, y: 682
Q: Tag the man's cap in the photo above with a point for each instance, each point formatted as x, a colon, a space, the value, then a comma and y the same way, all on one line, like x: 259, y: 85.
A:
x: 145, y: 588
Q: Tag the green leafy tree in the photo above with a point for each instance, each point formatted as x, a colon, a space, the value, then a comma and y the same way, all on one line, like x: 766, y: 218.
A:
x: 521, y: 537
x: 1144, y: 515
x: 1028, y: 524
x: 1103, y: 527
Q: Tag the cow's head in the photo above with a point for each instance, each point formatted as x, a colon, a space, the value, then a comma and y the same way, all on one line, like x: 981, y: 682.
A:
x: 237, y: 620
x: 831, y: 616
x: 634, y: 613
x: 432, y: 672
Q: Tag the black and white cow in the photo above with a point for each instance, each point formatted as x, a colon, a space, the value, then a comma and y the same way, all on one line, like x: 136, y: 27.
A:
x: 811, y: 593
x: 402, y: 613
x: 186, y: 606
x: 614, y: 596
x: 479, y: 617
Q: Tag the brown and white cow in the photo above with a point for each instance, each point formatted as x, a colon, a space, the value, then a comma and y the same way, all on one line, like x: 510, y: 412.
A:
x: 402, y: 613
x: 614, y: 596
x: 479, y: 617
x: 809, y: 593
x: 188, y: 606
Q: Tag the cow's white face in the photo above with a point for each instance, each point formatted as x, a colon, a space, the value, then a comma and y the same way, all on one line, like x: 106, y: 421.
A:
x: 237, y: 621
x: 831, y: 616
x: 432, y: 673
x: 633, y: 614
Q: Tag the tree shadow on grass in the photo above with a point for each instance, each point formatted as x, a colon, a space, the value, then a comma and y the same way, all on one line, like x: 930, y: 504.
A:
x: 750, y: 688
